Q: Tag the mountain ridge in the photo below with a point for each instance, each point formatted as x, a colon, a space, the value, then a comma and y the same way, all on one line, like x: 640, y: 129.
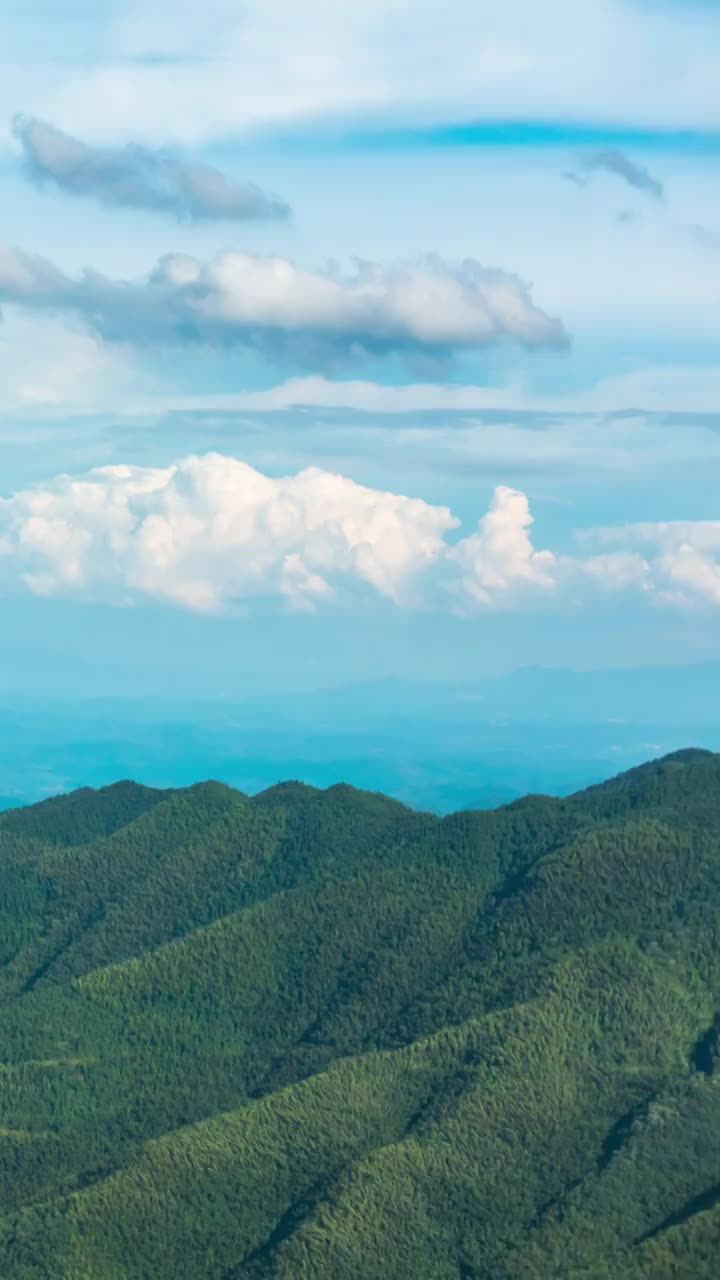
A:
x: 130, y: 787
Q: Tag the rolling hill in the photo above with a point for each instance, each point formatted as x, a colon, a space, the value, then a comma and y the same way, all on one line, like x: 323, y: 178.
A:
x: 317, y: 1034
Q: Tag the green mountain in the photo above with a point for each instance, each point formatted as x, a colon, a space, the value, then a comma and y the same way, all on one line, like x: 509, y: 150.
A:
x: 314, y: 1034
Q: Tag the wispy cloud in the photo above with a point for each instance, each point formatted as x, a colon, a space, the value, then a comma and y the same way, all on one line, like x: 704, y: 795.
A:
x: 138, y: 177
x: 425, y: 310
x: 383, y: 62
x: 614, y: 161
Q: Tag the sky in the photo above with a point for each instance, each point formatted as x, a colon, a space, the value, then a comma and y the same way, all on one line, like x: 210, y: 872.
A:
x: 344, y: 344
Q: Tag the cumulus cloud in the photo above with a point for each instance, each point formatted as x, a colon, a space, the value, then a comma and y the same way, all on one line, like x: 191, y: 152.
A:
x: 499, y: 558
x: 421, y: 310
x: 678, y: 559
x: 211, y: 530
x: 138, y: 177
x: 611, y: 160
x: 211, y: 533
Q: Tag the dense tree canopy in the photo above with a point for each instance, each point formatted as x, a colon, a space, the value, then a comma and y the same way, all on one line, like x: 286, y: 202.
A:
x: 315, y: 1034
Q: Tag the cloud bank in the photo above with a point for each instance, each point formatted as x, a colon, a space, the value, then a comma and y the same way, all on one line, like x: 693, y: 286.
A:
x: 425, y: 310
x: 211, y: 533
x: 136, y: 177
x: 273, y: 64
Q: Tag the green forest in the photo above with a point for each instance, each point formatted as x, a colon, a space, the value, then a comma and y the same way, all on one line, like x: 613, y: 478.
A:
x: 315, y: 1034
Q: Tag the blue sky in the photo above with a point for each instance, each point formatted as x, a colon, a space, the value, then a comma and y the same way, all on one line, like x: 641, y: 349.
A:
x: 346, y: 343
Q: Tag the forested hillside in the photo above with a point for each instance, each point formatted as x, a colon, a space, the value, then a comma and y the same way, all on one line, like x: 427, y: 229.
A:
x: 314, y: 1034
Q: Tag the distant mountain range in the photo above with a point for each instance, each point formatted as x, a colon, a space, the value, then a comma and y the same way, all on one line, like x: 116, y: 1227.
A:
x: 316, y: 1034
x: 546, y: 695
x: 438, y: 746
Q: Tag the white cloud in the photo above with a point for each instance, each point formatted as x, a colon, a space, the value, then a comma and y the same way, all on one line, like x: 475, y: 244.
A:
x: 499, y: 559
x: 427, y: 309
x: 619, y: 570
x: 679, y: 559
x: 209, y: 533
x: 693, y: 572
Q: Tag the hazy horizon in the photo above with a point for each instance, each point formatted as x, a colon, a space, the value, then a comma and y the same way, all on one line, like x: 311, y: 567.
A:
x: 435, y: 745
